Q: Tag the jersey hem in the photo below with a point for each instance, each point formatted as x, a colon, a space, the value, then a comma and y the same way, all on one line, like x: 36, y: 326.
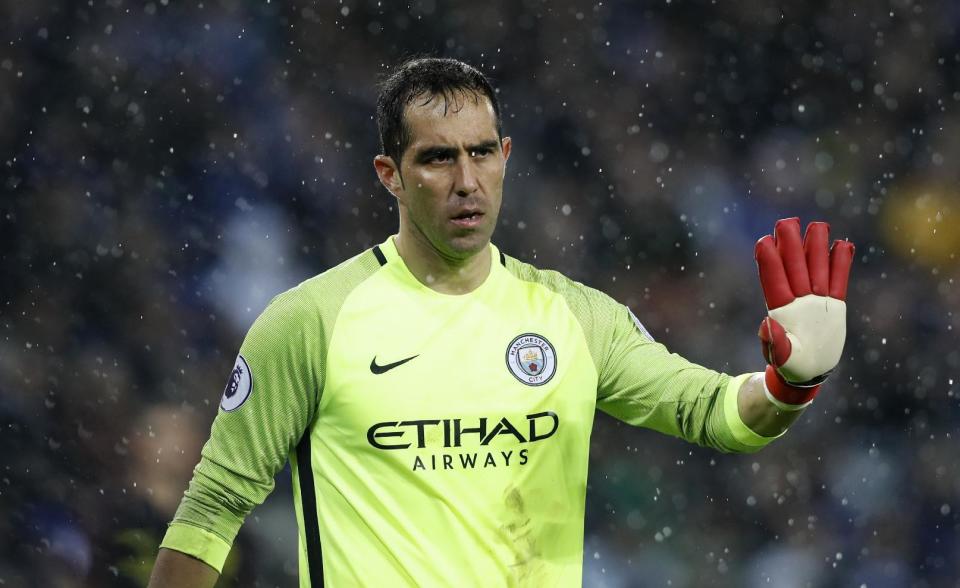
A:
x: 196, y: 542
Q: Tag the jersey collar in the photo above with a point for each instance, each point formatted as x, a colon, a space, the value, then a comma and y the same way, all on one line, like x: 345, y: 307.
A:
x: 389, y: 250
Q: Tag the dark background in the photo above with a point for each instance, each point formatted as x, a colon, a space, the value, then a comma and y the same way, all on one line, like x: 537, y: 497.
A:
x: 169, y: 166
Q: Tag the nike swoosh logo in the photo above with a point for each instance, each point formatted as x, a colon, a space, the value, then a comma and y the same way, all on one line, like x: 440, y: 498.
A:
x: 380, y: 369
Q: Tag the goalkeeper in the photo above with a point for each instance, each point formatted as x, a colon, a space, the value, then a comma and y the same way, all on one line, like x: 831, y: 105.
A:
x: 435, y: 396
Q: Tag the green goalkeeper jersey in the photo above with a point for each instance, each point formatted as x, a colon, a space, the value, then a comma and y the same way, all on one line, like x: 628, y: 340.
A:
x: 435, y: 439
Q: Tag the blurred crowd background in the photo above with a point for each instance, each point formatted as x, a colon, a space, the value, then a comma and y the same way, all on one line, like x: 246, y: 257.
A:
x: 167, y: 167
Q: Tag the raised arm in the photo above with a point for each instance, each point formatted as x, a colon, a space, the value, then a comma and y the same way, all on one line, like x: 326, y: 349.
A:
x: 804, y: 285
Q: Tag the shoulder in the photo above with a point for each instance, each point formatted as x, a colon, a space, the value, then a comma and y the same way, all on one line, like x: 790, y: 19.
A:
x: 322, y: 295
x: 576, y: 293
x: 341, y: 278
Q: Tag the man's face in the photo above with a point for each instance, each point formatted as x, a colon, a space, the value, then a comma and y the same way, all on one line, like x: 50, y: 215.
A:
x: 451, y: 176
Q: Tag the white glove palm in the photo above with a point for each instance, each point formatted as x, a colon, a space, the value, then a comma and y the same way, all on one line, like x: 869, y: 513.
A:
x: 805, y: 286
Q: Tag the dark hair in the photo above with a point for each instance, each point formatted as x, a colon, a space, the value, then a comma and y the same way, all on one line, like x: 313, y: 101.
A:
x: 435, y: 77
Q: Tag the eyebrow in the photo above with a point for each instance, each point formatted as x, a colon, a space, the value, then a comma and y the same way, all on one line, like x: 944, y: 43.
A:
x: 490, y: 145
x: 429, y: 152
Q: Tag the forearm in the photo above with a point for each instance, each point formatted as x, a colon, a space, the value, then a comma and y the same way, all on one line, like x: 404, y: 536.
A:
x: 175, y: 569
x: 758, y: 413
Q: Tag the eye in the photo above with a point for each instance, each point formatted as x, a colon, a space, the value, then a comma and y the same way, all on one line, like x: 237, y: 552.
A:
x: 439, y: 158
x: 480, y: 152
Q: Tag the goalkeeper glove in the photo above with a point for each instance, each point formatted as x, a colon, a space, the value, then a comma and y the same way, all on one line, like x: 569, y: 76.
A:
x: 804, y: 285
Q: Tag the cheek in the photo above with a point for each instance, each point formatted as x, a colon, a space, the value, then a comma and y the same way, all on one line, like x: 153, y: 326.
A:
x: 425, y: 200
x: 493, y: 173
x: 431, y: 180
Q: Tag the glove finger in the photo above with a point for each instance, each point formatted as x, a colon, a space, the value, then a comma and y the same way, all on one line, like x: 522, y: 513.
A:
x: 841, y: 258
x: 787, y: 235
x: 773, y: 278
x: 816, y: 247
x: 776, y: 347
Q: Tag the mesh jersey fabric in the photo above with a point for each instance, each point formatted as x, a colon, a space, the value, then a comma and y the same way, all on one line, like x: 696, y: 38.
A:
x: 460, y: 463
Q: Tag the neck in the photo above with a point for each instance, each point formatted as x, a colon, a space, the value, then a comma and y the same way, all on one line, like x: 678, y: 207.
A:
x: 438, y: 272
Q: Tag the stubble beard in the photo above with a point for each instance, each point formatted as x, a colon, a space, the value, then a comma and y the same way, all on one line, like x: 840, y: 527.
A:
x: 463, y: 244
x: 453, y: 243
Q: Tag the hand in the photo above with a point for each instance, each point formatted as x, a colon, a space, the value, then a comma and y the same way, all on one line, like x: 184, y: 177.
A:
x: 805, y: 287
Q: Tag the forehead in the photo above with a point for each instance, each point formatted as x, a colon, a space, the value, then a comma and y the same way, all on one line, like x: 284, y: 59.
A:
x: 460, y: 117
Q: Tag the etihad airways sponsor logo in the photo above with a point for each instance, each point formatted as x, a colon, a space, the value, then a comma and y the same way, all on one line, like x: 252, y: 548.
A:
x: 399, y: 434
x: 457, y: 432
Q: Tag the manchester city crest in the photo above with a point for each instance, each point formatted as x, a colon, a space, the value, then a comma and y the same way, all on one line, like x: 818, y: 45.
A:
x: 531, y: 359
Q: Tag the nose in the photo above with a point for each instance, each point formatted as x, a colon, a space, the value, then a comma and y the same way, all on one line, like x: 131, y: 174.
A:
x: 466, y: 179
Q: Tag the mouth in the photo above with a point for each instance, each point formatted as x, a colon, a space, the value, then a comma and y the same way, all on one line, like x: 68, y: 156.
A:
x: 467, y: 219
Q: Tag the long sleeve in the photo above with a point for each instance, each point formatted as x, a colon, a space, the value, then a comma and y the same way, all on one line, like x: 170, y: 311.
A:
x: 642, y: 383
x: 270, y: 399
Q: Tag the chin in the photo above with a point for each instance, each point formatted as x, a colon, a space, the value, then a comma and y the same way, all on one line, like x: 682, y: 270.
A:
x: 467, y: 245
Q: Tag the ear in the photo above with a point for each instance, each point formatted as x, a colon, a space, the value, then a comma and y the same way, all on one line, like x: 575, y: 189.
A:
x: 389, y: 174
x: 505, y: 145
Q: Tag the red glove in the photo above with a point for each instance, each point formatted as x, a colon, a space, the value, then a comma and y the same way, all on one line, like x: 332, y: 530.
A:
x: 805, y: 287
